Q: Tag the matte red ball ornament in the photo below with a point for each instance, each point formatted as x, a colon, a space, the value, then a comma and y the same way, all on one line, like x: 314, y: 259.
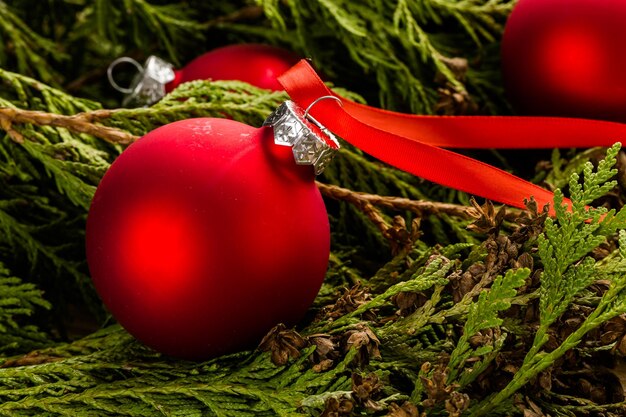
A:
x: 565, y: 58
x: 259, y: 65
x: 204, y: 234
x: 255, y: 64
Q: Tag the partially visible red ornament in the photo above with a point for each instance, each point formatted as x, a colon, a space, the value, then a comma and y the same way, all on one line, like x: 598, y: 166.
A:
x: 259, y: 65
x: 564, y: 58
x: 255, y: 64
x: 204, y: 233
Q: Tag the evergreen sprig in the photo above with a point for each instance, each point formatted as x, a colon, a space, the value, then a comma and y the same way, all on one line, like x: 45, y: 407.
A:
x: 563, y: 247
x: 483, y: 315
x: 19, y: 300
x: 31, y: 50
x: 573, y: 235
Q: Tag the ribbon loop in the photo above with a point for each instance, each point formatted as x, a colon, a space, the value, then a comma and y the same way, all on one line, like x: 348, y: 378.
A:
x: 415, y: 143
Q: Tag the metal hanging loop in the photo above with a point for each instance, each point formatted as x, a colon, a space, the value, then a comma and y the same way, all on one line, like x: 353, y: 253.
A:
x: 312, y: 119
x: 317, y: 100
x: 115, y: 63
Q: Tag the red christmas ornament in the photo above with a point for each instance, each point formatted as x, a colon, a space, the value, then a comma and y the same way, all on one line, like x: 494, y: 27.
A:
x: 564, y: 58
x: 254, y: 64
x: 204, y: 234
x: 258, y: 65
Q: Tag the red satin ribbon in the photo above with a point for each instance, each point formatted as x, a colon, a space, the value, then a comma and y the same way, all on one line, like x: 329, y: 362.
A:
x: 414, y: 143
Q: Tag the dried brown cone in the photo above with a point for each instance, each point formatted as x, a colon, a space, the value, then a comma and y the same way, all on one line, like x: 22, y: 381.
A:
x: 525, y: 260
x: 454, y: 102
x: 530, y: 221
x: 452, y: 99
x: 498, y: 374
x: 485, y: 337
x: 400, y: 238
x: 408, y: 302
x: 572, y: 320
x: 365, y: 341
x: 406, y: 410
x: 283, y: 343
x: 486, y: 219
x: 457, y: 404
x: 349, y: 301
x: 325, y: 352
x: 437, y: 390
x: 594, y: 383
x: 334, y: 407
x: 365, y: 390
x: 614, y: 331
x: 529, y: 408
x: 502, y: 254
x: 462, y: 283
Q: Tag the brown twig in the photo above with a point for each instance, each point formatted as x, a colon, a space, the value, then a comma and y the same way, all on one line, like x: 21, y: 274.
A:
x: 397, y: 203
x: 356, y: 199
x: 79, y: 123
x: 375, y: 216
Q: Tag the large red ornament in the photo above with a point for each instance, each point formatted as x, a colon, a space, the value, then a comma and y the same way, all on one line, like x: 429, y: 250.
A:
x: 565, y: 58
x: 204, y: 234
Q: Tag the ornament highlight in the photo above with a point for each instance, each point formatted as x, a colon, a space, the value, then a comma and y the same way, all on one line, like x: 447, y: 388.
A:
x: 204, y: 234
x: 563, y: 58
x: 255, y: 64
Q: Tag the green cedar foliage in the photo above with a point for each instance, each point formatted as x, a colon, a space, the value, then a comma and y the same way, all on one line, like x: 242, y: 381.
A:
x: 18, y: 300
x: 435, y: 317
x: 568, y: 270
x: 483, y: 315
x: 397, y: 43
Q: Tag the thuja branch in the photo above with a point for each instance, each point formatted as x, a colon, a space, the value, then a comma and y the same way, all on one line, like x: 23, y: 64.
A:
x: 79, y: 123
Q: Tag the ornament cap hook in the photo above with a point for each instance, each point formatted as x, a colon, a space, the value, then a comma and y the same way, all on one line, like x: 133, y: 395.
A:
x: 311, y: 142
x: 122, y: 60
x: 148, y: 85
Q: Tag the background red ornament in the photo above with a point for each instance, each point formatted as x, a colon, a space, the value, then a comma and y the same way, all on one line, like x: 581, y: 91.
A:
x: 565, y: 58
x: 204, y: 234
x: 254, y: 64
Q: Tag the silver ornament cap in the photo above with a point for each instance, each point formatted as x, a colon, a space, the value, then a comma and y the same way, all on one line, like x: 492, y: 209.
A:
x: 311, y: 142
x: 148, y: 85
